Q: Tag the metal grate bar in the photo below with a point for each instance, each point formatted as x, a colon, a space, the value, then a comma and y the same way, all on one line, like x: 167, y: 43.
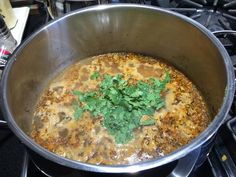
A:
x: 232, y: 123
x: 3, y: 123
x: 203, y: 1
x: 195, y: 4
x: 225, y: 25
x: 224, y: 32
x: 164, y: 3
x: 183, y: 9
x: 228, y: 16
x: 233, y: 59
x: 215, y: 165
x: 215, y: 2
x: 232, y: 10
x: 208, y: 20
x: 225, y: 158
x: 196, y: 16
x: 24, y: 172
x: 230, y: 4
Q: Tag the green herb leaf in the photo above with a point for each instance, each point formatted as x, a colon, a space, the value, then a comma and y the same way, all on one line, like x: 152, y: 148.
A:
x: 148, y: 122
x: 78, y: 112
x: 95, y: 75
x: 122, y: 105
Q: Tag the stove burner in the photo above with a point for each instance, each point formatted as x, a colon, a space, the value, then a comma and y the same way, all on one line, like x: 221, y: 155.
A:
x: 213, y: 14
x: 219, y: 16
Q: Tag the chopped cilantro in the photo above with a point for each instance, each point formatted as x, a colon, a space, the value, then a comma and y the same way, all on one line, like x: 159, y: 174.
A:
x: 95, y: 75
x: 78, y: 112
x: 148, y: 122
x: 122, y: 105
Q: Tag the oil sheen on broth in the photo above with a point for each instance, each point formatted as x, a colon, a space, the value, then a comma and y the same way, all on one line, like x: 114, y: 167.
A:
x: 183, y: 117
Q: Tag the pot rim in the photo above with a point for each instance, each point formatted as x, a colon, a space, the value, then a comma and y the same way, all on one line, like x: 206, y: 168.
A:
x: 136, y: 167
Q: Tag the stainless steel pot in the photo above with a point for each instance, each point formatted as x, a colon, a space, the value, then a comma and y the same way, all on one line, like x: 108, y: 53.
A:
x: 112, y: 28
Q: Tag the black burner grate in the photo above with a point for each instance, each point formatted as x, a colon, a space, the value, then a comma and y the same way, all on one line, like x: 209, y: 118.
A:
x: 214, y: 14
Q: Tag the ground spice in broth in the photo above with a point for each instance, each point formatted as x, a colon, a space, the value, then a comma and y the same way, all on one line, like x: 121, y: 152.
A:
x: 183, y: 116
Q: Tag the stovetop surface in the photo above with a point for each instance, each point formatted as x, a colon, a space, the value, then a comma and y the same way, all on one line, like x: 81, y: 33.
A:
x: 216, y: 15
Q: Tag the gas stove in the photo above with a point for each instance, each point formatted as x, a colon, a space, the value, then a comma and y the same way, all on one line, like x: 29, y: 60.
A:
x: 219, y: 16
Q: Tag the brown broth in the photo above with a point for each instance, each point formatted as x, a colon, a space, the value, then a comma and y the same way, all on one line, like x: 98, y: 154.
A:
x: 183, y: 118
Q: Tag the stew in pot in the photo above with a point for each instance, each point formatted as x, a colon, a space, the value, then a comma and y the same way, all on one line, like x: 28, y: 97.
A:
x: 119, y: 108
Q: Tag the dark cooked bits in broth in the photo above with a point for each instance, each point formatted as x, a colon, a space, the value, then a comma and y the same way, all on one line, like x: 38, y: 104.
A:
x: 66, y: 124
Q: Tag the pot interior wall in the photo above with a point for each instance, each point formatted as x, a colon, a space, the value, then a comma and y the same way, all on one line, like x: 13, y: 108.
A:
x: 127, y: 29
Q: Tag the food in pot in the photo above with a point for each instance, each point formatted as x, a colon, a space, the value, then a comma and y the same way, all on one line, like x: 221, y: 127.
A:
x: 119, y: 108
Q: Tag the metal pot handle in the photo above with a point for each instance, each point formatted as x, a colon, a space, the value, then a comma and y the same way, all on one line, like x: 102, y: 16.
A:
x: 186, y: 164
